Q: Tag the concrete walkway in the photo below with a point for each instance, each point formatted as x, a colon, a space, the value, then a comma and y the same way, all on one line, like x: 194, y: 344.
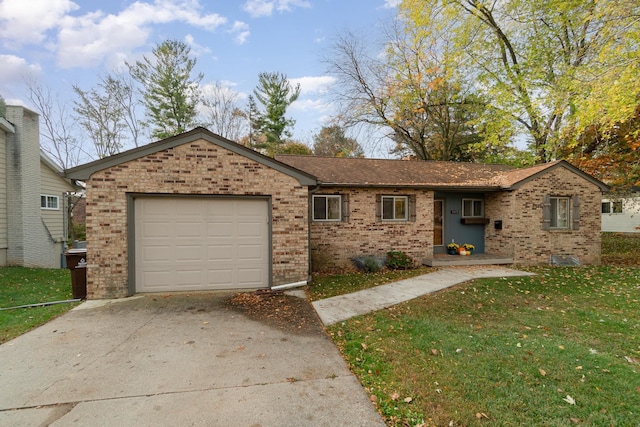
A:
x: 336, y: 309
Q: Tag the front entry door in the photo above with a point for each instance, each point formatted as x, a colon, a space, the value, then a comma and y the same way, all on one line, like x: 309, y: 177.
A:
x: 438, y: 222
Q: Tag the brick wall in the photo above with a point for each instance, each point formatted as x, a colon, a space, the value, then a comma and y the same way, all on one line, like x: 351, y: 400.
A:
x: 522, y: 235
x: 192, y: 168
x: 333, y: 244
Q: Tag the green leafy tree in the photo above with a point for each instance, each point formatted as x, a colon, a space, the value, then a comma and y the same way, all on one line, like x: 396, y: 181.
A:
x: 276, y: 94
x: 3, y: 107
x: 170, y: 90
x: 293, y: 147
x: 331, y: 141
x: 550, y: 66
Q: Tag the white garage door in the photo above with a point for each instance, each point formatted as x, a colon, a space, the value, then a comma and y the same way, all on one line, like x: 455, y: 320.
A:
x: 186, y: 244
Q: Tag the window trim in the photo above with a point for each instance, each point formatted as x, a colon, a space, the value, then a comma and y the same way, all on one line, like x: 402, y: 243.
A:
x: 568, y: 200
x: 394, y: 198
x: 326, y: 197
x: 472, y: 208
x: 612, y: 207
x: 46, y: 198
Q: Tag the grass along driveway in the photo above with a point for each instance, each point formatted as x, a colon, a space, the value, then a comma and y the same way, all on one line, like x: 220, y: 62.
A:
x: 22, y: 286
x: 560, y: 348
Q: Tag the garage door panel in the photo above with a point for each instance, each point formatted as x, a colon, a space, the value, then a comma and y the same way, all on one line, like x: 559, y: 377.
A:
x: 249, y: 276
x: 220, y: 252
x: 249, y: 229
x: 220, y: 229
x: 198, y: 244
x: 188, y: 229
x: 156, y: 253
x: 191, y: 254
x: 156, y: 229
x: 249, y: 252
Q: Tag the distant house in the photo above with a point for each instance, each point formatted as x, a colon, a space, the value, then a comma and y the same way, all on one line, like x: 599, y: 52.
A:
x: 32, y: 195
x: 199, y: 212
x: 621, y: 214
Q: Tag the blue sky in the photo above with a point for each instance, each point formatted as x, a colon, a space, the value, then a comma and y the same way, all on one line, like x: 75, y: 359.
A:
x: 64, y: 42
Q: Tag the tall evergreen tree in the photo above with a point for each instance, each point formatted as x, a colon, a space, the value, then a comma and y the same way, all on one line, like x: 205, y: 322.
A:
x: 276, y: 94
x: 170, y: 90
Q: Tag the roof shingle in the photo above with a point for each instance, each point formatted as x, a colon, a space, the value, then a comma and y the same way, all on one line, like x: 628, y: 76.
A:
x: 362, y: 172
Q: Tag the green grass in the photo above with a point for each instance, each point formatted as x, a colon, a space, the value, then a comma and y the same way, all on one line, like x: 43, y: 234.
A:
x: 22, y: 286
x: 504, y: 352
x: 511, y: 349
x: 621, y: 249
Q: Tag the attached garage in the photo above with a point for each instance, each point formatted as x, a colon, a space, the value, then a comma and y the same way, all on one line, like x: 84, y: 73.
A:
x: 204, y: 243
x: 194, y: 212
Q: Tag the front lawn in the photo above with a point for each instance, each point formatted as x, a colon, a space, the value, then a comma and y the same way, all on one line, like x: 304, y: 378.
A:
x: 23, y: 286
x: 561, y: 348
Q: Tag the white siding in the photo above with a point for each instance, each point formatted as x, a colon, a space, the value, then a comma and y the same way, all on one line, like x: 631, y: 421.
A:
x: 3, y: 197
x: 626, y: 222
x: 53, y: 185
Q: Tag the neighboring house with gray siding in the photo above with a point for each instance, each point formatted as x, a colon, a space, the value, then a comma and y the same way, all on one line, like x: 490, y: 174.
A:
x: 621, y: 214
x: 32, y: 195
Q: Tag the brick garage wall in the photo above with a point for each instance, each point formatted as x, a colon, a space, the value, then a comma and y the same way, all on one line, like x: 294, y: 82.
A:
x: 522, y: 235
x: 333, y: 244
x: 192, y: 168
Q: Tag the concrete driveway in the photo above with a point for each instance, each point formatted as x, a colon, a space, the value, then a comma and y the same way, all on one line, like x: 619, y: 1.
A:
x: 180, y: 359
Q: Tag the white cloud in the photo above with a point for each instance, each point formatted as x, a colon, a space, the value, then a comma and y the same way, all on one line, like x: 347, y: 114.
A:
x: 257, y: 8
x: 24, y: 22
x: 89, y: 39
x: 316, y: 105
x: 241, y: 32
x: 224, y: 88
x: 14, y: 69
x: 313, y: 85
x: 196, y: 49
x: 390, y: 4
x: 13, y: 72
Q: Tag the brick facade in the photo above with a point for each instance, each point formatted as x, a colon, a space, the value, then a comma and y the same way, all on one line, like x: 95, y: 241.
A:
x: 520, y: 210
x: 334, y: 244
x: 198, y: 168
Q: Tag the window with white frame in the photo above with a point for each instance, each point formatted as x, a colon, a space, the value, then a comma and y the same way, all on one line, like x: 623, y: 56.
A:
x: 395, y: 208
x: 49, y: 202
x: 327, y: 207
x: 614, y: 206
x: 472, y: 208
x: 560, y: 212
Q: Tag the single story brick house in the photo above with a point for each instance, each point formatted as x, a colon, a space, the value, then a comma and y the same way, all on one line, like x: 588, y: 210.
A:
x: 199, y: 212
